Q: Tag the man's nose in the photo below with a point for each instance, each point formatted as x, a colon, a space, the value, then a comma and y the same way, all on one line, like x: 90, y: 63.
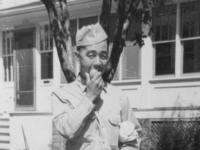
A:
x: 97, y: 63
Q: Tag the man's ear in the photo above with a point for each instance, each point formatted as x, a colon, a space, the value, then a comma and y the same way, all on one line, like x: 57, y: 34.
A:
x: 77, y: 55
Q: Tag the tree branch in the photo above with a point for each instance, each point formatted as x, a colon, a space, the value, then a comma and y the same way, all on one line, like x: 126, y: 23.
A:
x: 124, y: 19
x: 105, y: 15
x: 60, y: 28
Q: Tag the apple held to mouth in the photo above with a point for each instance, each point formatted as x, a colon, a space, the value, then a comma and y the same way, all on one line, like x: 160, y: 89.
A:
x: 93, y: 71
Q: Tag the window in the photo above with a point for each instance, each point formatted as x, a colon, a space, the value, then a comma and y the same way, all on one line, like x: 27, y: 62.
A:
x: 165, y: 58
x: 188, y: 31
x: 131, y: 62
x: 190, y: 28
x: 190, y: 19
x: 8, y: 46
x: 46, y: 50
x: 191, y: 56
x: 164, y: 24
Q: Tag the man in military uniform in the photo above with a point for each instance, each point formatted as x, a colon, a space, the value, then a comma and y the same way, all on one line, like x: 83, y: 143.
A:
x: 89, y: 112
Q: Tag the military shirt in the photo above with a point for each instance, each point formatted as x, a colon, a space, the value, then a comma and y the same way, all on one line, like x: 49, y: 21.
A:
x: 91, y: 125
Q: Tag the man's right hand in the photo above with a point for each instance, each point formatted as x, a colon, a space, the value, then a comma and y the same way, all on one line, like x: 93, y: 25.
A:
x: 94, y: 85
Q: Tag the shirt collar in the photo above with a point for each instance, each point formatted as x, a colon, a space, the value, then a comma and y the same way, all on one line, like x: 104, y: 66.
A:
x: 82, y: 84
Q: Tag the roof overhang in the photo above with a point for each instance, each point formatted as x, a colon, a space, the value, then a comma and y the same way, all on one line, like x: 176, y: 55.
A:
x: 36, y: 12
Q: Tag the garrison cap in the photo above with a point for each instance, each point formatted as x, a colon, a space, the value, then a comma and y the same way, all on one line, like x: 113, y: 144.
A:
x: 90, y: 35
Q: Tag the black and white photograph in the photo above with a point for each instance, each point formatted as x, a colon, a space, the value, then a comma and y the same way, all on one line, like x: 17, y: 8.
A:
x: 99, y: 74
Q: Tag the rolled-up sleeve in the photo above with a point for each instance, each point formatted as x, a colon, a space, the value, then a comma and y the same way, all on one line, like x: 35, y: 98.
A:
x: 70, y: 120
x: 128, y: 115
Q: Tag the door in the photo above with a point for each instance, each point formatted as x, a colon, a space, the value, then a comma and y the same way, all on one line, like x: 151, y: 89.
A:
x: 24, y: 55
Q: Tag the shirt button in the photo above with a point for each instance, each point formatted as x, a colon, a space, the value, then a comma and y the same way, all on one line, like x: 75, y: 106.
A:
x: 101, y: 126
x: 102, y: 142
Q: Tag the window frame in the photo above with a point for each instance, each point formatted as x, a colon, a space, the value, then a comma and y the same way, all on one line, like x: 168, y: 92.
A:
x: 154, y: 60
x: 182, y: 58
x: 120, y: 65
x: 179, y: 49
x: 120, y: 78
x: 182, y: 39
x: 154, y: 42
x: 50, y: 81
x: 5, y: 83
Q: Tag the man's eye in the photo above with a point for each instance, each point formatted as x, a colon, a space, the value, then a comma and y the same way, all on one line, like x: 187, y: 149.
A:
x: 91, y: 55
x: 104, y: 56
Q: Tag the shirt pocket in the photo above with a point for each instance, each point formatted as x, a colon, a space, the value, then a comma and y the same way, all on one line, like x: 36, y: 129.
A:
x: 114, y: 122
x: 114, y: 119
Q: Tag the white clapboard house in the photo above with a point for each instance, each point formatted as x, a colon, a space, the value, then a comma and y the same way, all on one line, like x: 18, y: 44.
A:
x: 160, y: 79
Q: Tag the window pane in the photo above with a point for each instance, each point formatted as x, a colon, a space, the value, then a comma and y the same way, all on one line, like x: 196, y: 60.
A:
x: 25, y: 38
x: 172, y: 22
x: 46, y: 36
x: 8, y: 42
x: 87, y: 21
x: 190, y: 19
x: 191, y: 56
x: 116, y: 76
x: 5, y: 65
x: 73, y: 30
x: 165, y: 59
x: 46, y: 47
x: 25, y: 99
x: 51, y: 39
x: 12, y: 41
x: 164, y: 23
x: 42, y: 39
x: 24, y: 70
x: 156, y: 24
x: 4, y: 43
x: 47, y: 65
x: 8, y: 68
x: 131, y: 62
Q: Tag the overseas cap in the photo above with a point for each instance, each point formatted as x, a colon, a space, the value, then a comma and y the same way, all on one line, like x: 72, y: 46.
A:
x: 90, y: 35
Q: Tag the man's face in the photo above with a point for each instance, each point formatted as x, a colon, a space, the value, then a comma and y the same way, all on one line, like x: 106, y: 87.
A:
x: 93, y: 58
